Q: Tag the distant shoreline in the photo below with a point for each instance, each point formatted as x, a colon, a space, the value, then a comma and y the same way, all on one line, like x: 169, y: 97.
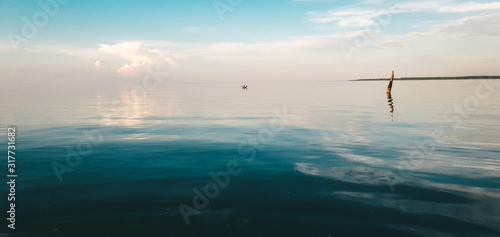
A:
x: 430, y: 78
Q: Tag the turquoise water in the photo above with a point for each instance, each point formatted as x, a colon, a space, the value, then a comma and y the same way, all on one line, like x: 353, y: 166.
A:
x: 303, y: 159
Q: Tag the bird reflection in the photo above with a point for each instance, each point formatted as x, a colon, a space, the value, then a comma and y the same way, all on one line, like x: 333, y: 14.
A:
x: 391, y: 105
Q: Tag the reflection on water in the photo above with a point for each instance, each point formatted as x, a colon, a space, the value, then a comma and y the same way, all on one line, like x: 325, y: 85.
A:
x: 129, y: 109
x: 391, y: 104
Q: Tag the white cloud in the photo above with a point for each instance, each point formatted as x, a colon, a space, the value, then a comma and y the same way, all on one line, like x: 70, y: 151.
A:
x: 421, y: 6
x: 98, y: 64
x: 485, y: 25
x: 357, y: 16
x: 366, y: 14
x: 350, y: 17
x: 282, y: 48
x: 138, y: 55
x: 471, y: 6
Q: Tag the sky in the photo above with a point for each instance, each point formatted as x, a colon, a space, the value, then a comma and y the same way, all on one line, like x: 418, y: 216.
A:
x: 244, y: 41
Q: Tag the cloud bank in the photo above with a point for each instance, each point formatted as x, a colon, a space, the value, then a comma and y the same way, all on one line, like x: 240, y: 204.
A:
x: 138, y: 56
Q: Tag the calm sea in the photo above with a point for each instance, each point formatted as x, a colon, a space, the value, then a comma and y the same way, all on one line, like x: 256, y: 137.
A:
x: 301, y: 159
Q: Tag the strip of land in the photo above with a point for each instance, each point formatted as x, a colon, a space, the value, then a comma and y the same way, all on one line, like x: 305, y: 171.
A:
x: 431, y: 78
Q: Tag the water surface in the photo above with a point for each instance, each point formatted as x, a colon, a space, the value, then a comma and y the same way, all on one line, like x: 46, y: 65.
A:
x: 316, y: 159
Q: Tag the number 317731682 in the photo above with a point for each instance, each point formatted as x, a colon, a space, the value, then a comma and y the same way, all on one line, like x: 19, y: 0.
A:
x: 11, y: 147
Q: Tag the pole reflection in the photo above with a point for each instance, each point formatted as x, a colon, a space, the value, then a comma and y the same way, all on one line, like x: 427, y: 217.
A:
x: 391, y: 105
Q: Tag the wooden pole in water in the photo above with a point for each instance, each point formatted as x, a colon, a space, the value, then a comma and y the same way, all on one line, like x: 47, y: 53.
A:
x: 390, y: 84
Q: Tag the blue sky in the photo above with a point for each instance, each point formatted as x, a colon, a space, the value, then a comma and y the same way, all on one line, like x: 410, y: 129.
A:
x: 244, y: 40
